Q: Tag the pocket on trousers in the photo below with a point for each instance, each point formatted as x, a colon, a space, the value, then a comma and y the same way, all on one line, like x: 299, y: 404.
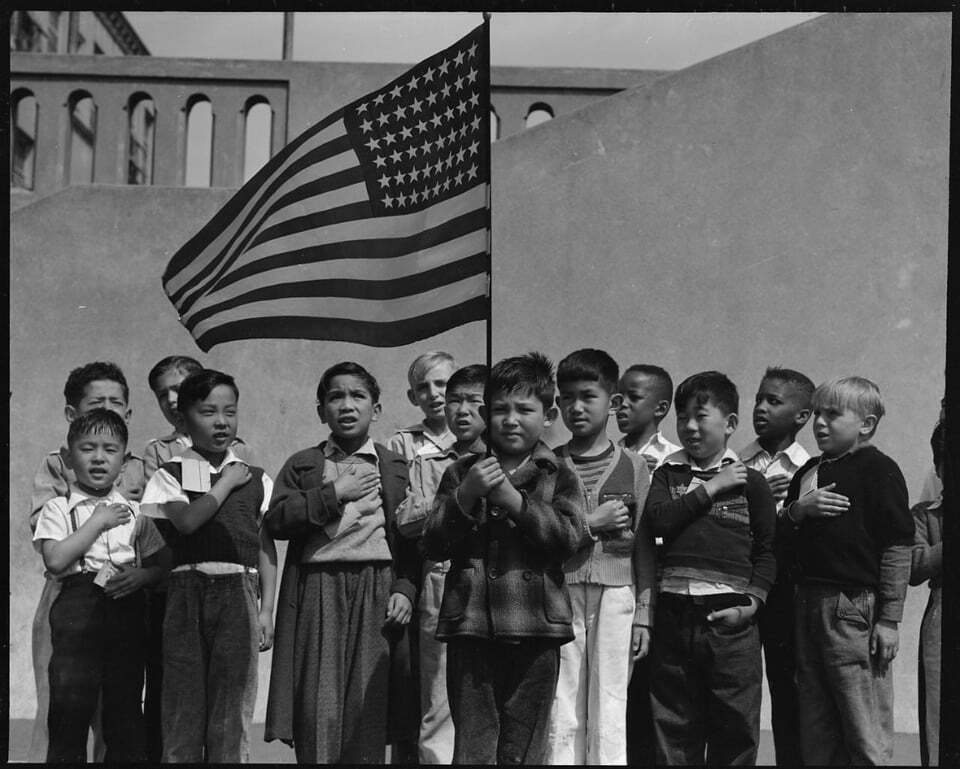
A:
x: 458, y: 586
x: 858, y: 610
x: 847, y: 640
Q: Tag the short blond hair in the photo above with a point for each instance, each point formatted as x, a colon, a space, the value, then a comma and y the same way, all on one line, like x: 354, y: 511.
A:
x: 856, y: 393
x: 423, y: 363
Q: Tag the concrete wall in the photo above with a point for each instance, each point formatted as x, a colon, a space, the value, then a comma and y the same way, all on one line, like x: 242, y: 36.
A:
x: 785, y: 203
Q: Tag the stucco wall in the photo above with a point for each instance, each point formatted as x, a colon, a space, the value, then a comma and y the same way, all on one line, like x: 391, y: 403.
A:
x: 785, y: 203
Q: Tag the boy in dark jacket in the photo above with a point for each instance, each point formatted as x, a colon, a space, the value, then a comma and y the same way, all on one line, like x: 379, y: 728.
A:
x: 717, y: 520
x: 507, y: 522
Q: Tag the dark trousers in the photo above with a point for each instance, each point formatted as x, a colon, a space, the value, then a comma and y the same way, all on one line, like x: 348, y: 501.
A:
x: 705, y: 686
x: 156, y: 607
x: 640, y: 742
x: 500, y: 699
x: 776, y: 623
x: 97, y: 650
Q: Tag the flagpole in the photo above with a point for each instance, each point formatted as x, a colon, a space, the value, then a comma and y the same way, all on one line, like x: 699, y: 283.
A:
x: 486, y: 25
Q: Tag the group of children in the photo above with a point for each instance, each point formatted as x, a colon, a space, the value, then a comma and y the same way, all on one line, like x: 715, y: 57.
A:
x: 466, y: 594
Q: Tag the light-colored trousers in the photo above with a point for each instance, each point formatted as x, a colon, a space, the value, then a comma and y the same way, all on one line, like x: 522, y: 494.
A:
x: 436, y: 725
x: 42, y: 647
x: 589, y: 717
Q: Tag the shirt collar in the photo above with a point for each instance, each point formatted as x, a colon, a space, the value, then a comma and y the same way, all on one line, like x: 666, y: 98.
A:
x: 79, y: 496
x: 794, y: 452
x: 683, y: 458
x: 191, y: 454
x: 331, y: 449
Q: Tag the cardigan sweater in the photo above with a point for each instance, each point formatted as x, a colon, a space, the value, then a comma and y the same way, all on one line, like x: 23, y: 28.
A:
x: 619, y: 558
x: 869, y: 545
x: 302, y: 502
x: 728, y: 539
x: 506, y: 574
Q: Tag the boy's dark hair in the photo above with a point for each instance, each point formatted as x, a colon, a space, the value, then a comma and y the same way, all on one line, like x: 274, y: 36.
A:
x: 80, y: 377
x: 97, y: 421
x: 474, y: 375
x: 529, y: 374
x: 589, y: 365
x: 181, y: 363
x: 708, y: 386
x: 348, y: 368
x: 937, y: 443
x: 197, y: 386
x: 801, y: 382
x: 659, y: 375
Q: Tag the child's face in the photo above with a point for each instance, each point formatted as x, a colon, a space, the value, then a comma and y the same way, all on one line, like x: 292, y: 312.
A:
x: 462, y: 411
x: 777, y: 411
x: 100, y: 394
x: 838, y: 430
x: 704, y: 429
x: 584, y: 407
x: 517, y: 420
x: 168, y: 386
x: 348, y: 408
x: 212, y: 422
x: 639, y: 405
x: 96, y: 458
x: 428, y: 392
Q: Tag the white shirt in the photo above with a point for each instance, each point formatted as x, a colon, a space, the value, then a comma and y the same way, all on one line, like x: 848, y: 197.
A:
x: 122, y: 545
x: 684, y: 585
x: 163, y: 488
x: 785, y: 462
x: 656, y: 446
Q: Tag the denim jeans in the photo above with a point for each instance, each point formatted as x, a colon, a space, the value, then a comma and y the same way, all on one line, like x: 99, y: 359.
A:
x: 705, y: 686
x: 846, y: 701
x: 211, y: 640
x: 500, y: 698
x: 97, y: 647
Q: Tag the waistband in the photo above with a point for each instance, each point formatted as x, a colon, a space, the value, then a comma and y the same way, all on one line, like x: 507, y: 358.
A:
x: 214, y: 568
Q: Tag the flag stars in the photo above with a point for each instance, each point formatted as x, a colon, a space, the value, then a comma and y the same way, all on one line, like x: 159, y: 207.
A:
x: 431, y: 98
x: 395, y: 93
x: 444, y: 66
x: 472, y: 172
x: 475, y: 123
x: 389, y: 138
x: 471, y: 75
x: 436, y: 120
x: 411, y: 151
x: 458, y: 177
x: 412, y: 83
x: 449, y: 113
x: 396, y: 156
x: 445, y: 90
x: 421, y: 127
x: 460, y: 155
x: 472, y: 149
x: 475, y: 99
x: 373, y: 144
x: 384, y: 181
x: 406, y: 132
x: 459, y: 57
x: 458, y: 83
x: 388, y: 201
x: 366, y: 126
x: 463, y: 107
x: 362, y: 107
x: 473, y: 50
x: 383, y: 118
x: 378, y: 99
x: 428, y: 75
x: 399, y: 178
x: 446, y: 184
x: 379, y: 161
x: 414, y: 174
x: 415, y: 106
x: 400, y: 112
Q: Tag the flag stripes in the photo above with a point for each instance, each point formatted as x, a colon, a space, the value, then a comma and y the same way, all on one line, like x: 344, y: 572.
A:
x: 374, y: 223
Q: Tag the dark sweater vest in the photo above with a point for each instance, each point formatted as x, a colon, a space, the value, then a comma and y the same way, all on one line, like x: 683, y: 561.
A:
x: 232, y: 535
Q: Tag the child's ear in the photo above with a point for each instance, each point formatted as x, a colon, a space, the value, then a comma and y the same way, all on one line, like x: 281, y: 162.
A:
x: 868, y: 424
x: 377, y: 409
x: 412, y: 397
x: 70, y: 412
x: 550, y: 416
x: 801, y: 418
x: 661, y: 410
x: 127, y: 414
x: 616, y: 401
x: 732, y: 421
x: 323, y: 417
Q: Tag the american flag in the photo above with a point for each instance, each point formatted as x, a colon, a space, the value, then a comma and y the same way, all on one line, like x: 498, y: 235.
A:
x: 372, y: 226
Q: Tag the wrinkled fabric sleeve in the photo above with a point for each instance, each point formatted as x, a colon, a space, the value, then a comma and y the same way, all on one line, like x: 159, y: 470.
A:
x: 554, y: 527
x: 644, y: 552
x: 49, y: 482
x: 447, y: 523
x: 763, y: 522
x: 668, y: 516
x: 294, y: 508
x: 927, y: 555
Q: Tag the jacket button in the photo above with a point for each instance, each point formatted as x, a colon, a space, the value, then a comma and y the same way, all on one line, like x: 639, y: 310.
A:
x: 493, y: 573
x: 527, y: 575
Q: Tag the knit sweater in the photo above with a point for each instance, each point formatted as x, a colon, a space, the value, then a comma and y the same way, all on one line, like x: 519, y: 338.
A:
x: 728, y: 539
x: 617, y: 558
x: 869, y: 545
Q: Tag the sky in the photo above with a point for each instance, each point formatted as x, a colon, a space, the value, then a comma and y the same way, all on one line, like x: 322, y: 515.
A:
x: 608, y: 40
